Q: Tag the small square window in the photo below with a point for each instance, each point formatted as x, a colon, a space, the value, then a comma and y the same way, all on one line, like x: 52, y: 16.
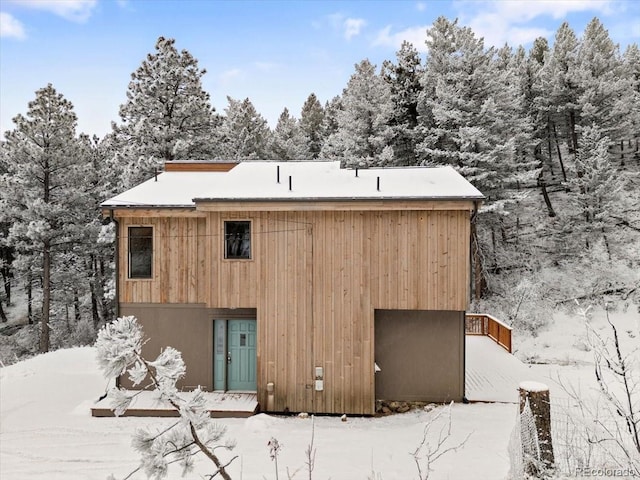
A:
x: 140, y: 252
x: 237, y: 240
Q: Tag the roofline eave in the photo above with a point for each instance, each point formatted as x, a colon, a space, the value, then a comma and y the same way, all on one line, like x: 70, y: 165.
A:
x: 105, y: 206
x: 336, y: 199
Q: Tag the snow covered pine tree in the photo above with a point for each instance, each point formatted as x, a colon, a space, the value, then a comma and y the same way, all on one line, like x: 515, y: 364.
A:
x: 119, y: 347
x: 43, y: 196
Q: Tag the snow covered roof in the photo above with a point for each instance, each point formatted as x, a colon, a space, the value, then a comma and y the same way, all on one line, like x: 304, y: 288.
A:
x: 310, y: 181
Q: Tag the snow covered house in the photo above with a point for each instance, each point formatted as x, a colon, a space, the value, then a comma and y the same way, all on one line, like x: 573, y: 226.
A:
x: 297, y: 280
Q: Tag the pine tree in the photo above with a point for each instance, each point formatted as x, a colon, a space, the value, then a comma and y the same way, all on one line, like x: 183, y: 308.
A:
x: 539, y: 50
x: 558, y: 81
x: 604, y: 89
x: 514, y: 124
x: 596, y: 187
x: 363, y: 134
x: 6, y: 257
x: 6, y: 251
x: 101, y: 180
x: 6, y: 273
x: 244, y: 133
x: 439, y: 82
x: 404, y: 78
x: 516, y: 163
x: 311, y: 118
x: 631, y: 67
x: 288, y: 141
x: 330, y: 127
x: 330, y: 120
x: 632, y: 64
x: 167, y: 115
x: 471, y: 111
x: 440, y: 45
x: 42, y: 193
x: 547, y: 145
x: 471, y: 117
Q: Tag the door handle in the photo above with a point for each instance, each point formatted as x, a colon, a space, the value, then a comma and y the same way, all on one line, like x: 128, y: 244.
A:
x: 229, y: 358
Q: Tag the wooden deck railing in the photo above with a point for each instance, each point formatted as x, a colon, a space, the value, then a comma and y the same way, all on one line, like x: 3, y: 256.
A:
x: 483, y: 324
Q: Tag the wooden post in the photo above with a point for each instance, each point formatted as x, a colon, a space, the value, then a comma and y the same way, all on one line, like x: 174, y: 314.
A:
x: 538, y: 396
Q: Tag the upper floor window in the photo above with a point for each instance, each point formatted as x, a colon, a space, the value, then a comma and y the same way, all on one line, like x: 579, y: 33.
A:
x: 237, y: 239
x: 140, y: 252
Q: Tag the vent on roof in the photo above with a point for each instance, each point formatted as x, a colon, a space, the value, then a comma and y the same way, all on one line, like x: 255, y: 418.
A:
x: 198, y: 166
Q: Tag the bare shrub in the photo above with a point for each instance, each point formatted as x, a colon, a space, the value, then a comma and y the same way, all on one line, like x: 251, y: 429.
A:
x: 428, y: 452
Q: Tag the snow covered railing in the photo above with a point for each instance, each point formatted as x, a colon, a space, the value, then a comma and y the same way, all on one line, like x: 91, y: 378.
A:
x: 484, y: 324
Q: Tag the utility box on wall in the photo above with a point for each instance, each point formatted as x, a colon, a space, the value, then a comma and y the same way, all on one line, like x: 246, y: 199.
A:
x: 319, y: 379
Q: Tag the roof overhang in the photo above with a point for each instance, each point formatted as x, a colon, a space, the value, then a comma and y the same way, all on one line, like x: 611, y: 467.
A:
x: 333, y: 204
x: 150, y: 211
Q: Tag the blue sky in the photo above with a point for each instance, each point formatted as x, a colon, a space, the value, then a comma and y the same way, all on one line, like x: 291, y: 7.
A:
x: 274, y: 52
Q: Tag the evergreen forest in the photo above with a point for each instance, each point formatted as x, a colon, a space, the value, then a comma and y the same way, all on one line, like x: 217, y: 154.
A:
x: 550, y: 135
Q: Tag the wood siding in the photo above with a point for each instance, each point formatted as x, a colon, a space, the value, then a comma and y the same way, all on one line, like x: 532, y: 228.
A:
x: 315, y: 279
x: 179, y: 268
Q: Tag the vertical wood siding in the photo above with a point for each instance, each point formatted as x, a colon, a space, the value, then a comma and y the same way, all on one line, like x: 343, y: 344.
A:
x: 315, y: 278
x: 179, y: 268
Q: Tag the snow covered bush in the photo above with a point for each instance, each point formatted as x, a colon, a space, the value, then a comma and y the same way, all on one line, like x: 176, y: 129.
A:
x: 17, y: 342
x: 82, y: 333
x: 119, y: 347
x: 529, y: 310
x: 523, y: 303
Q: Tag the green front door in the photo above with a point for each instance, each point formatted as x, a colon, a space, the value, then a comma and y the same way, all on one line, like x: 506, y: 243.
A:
x: 241, y: 356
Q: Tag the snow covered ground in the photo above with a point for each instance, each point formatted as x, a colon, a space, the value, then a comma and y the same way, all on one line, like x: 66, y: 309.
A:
x: 46, y: 431
x: 564, y: 341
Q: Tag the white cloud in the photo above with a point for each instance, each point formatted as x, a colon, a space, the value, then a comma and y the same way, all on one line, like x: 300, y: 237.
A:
x: 126, y: 5
x: 10, y: 27
x: 498, y: 30
x: 352, y: 27
x: 507, y: 21
x: 627, y: 31
x: 421, y: 6
x: 520, y: 36
x: 415, y: 35
x: 335, y: 20
x: 557, y: 9
x: 348, y: 27
x: 73, y: 10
